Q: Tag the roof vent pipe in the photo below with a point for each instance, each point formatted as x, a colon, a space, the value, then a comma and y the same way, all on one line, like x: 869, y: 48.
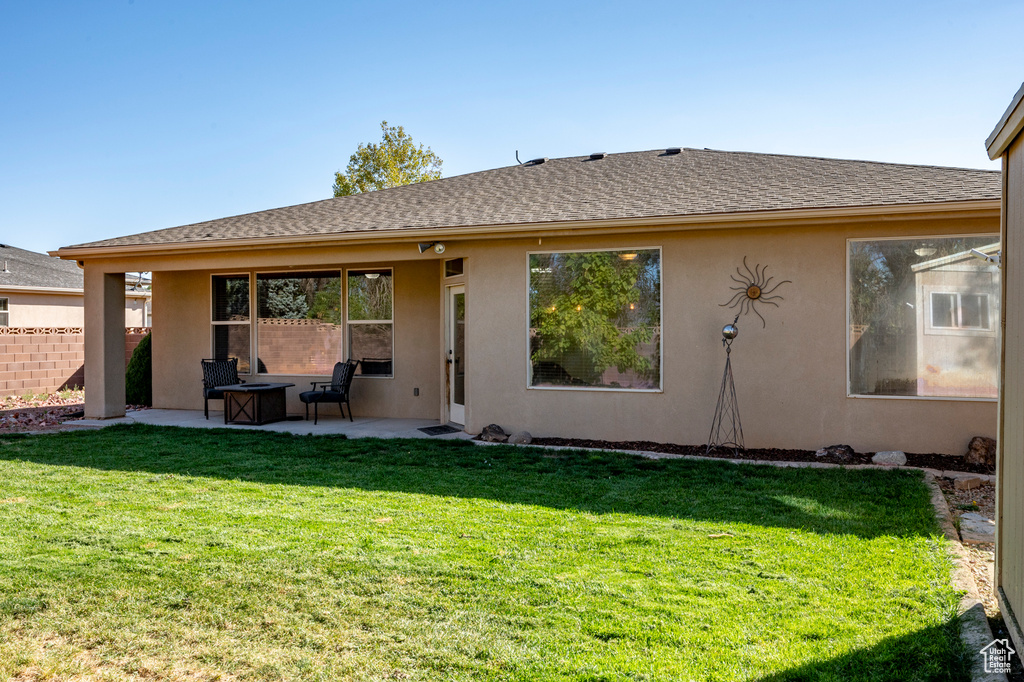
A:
x: 537, y: 162
x: 5, y: 270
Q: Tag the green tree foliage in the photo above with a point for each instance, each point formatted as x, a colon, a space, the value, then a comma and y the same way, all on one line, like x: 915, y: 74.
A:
x: 395, y: 161
x: 591, y: 311
x: 282, y: 298
x: 298, y: 298
x: 138, y: 379
x: 369, y: 298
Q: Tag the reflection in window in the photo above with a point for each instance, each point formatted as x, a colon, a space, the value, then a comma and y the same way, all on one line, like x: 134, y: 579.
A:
x: 298, y: 322
x: 921, y: 313
x: 595, y: 319
x: 960, y: 311
x: 231, y: 327
x: 370, y: 321
x: 5, y: 313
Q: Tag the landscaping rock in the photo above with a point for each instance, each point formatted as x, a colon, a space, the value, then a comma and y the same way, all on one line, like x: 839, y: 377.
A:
x: 492, y: 433
x: 840, y: 452
x: 520, y: 438
x: 967, y: 483
x: 977, y: 529
x: 890, y: 458
x: 981, y: 451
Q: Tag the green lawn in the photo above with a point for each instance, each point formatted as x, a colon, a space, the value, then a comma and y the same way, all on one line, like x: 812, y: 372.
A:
x: 159, y: 553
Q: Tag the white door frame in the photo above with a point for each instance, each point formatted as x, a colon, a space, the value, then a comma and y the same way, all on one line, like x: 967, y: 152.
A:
x: 454, y: 358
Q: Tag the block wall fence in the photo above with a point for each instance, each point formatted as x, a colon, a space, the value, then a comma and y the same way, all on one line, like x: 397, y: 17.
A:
x: 48, y: 359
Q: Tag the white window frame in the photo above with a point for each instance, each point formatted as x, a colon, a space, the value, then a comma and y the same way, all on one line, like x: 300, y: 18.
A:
x: 846, y: 331
x: 661, y: 323
x: 5, y: 311
x: 394, y: 301
x: 958, y: 297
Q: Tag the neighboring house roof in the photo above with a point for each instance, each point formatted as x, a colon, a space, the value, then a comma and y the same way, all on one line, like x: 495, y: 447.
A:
x: 23, y: 269
x: 37, y: 270
x: 634, y: 185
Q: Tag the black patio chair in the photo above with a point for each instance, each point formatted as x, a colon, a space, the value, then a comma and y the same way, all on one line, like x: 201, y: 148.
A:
x: 217, y: 373
x: 333, y: 391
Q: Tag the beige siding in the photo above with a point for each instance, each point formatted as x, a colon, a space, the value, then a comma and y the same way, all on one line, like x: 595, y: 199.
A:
x: 1011, y: 442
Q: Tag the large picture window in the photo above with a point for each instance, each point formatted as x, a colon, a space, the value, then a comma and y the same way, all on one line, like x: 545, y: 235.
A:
x: 371, y: 322
x: 595, y: 319
x: 922, y: 318
x: 231, y: 327
x: 298, y: 322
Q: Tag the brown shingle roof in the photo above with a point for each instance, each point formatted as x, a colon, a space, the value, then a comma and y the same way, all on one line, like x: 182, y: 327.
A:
x: 619, y: 186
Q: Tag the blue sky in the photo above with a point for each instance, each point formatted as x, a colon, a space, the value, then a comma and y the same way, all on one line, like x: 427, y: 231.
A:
x: 121, y: 117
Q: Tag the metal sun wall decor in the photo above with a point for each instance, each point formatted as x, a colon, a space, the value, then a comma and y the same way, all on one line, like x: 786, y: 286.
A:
x: 726, y: 429
x: 753, y: 289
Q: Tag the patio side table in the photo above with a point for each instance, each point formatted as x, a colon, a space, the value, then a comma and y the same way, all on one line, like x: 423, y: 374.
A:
x: 254, y: 404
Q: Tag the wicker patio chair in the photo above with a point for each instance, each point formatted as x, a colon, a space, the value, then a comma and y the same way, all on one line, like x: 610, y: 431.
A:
x: 334, y: 391
x: 217, y: 373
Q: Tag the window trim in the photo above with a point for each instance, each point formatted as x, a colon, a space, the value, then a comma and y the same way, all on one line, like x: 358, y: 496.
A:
x: 6, y: 311
x: 345, y: 346
x: 661, y: 323
x: 846, y: 329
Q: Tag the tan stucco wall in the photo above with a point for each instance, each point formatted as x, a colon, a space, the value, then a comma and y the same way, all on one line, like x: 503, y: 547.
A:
x: 44, y: 310
x: 790, y: 377
x: 182, y: 337
x: 62, y: 310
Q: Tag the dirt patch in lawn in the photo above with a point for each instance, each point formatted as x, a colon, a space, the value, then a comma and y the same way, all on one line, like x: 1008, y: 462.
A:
x: 930, y: 461
x: 34, y: 413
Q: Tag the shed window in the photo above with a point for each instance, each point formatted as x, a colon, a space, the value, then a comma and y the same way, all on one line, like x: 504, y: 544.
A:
x: 595, y: 319
x: 371, y: 321
x: 960, y: 311
x: 921, y: 315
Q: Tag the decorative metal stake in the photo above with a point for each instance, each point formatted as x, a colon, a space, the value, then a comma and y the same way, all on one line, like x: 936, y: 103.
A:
x: 726, y: 429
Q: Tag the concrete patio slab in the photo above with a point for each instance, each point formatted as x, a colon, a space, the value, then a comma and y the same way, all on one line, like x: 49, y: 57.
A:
x: 361, y: 427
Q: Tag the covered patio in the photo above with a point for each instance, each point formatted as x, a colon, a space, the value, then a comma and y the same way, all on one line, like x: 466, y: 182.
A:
x: 331, y: 424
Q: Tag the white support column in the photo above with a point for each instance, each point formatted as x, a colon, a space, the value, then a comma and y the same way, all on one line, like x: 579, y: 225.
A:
x: 104, y: 344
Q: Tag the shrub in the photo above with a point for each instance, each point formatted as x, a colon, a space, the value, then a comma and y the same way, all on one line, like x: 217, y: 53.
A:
x: 138, y: 378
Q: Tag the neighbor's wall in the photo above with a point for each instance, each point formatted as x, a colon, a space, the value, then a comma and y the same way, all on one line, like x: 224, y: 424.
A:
x: 790, y: 376
x: 34, y: 360
x: 45, y: 310
x: 63, y: 310
x: 182, y: 337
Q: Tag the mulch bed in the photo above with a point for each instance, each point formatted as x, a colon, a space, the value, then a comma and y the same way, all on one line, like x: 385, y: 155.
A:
x: 930, y: 461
